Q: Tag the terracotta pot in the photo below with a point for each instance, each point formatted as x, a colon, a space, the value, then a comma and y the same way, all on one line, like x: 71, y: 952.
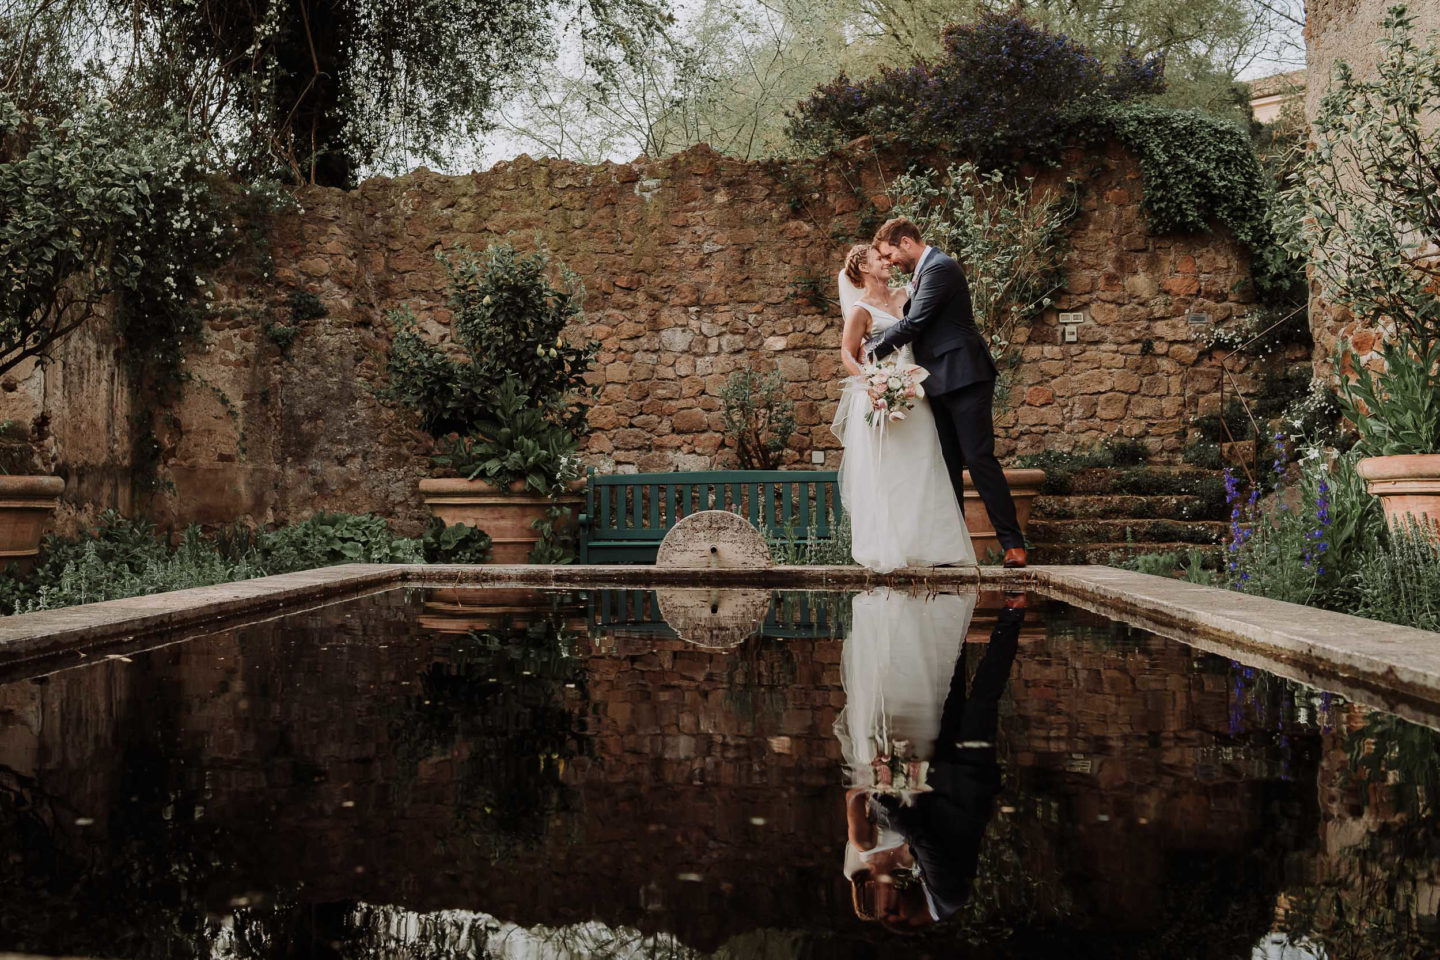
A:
x: 1407, y: 486
x: 506, y: 515
x: 1024, y: 488
x: 26, y: 505
x: 459, y: 610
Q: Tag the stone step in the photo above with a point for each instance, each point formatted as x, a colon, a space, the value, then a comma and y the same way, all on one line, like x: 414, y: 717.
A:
x: 1112, y: 506
x: 1109, y: 553
x: 1143, y: 481
x: 1094, y: 531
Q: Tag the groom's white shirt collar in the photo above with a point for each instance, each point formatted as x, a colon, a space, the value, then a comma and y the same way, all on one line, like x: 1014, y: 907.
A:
x: 920, y: 264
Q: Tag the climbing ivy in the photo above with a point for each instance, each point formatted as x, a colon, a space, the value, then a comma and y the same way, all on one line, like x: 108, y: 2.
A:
x: 1200, y: 170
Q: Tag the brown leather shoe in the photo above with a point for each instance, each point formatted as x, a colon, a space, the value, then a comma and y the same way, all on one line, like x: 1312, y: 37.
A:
x: 1015, y: 557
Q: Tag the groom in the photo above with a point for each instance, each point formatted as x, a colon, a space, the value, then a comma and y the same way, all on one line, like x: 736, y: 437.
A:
x: 961, y: 385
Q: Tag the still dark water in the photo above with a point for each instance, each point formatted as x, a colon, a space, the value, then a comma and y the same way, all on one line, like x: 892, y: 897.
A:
x: 520, y: 774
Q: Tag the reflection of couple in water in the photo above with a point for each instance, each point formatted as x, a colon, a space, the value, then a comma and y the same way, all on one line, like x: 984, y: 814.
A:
x: 919, y: 751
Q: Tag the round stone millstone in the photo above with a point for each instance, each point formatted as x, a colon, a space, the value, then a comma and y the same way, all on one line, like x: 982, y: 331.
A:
x: 713, y: 618
x: 713, y: 540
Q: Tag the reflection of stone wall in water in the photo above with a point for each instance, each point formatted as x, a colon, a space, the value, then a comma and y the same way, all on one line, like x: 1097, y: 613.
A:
x: 695, y: 266
x: 678, y: 753
x: 1372, y: 892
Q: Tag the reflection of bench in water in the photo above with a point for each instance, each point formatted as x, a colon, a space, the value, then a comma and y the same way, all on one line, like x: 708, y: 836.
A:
x: 792, y: 614
x: 627, y: 515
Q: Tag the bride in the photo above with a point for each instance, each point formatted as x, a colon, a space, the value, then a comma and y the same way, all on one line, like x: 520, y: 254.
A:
x: 893, y: 480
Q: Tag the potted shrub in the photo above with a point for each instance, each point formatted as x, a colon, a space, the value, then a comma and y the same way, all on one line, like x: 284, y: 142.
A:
x: 506, y: 406
x: 1369, y: 198
x: 28, y: 498
x: 1397, y: 413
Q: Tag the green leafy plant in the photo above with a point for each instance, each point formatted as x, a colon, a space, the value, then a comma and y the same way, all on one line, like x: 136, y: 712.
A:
x: 1010, y: 238
x: 1396, y: 409
x: 1370, y: 195
x: 1369, y: 191
x: 97, y: 206
x: 1199, y: 170
x: 807, y: 548
x: 512, y: 407
x: 1204, y: 454
x: 119, y: 557
x: 509, y: 323
x: 1397, y: 579
x: 513, y: 442
x: 758, y: 417
x: 456, y: 543
x: 559, y: 537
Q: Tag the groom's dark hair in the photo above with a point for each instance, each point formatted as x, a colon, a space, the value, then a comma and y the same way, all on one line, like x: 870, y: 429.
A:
x: 894, y: 230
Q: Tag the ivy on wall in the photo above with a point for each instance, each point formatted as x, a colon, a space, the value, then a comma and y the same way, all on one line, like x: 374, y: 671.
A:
x: 1200, y: 170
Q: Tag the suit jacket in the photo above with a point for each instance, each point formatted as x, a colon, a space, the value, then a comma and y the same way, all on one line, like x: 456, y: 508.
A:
x: 940, y: 324
x: 944, y: 827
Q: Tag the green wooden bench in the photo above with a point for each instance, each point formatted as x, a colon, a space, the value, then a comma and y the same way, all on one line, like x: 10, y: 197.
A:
x: 628, y: 514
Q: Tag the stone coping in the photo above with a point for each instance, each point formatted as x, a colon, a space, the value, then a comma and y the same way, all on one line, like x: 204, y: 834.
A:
x: 1377, y: 664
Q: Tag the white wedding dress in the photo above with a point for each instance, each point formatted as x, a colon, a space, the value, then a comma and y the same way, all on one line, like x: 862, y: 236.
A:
x: 896, y: 665
x: 893, y: 480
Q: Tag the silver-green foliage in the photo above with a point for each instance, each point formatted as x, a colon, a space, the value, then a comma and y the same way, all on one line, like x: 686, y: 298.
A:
x: 808, y: 548
x: 1369, y: 192
x: 1009, y: 237
x: 125, y: 558
x: 1398, y: 579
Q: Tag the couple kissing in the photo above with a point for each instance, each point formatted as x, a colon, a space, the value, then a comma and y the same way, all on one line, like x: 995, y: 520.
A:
x: 917, y: 409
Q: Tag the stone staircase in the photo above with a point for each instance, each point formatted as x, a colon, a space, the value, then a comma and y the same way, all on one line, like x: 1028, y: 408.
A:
x: 1102, y: 515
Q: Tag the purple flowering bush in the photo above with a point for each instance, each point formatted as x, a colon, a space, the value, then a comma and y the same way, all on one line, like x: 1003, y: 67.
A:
x: 1001, y: 86
x: 1320, y: 539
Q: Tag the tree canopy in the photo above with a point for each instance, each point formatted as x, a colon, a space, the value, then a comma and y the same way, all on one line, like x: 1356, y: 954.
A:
x: 321, y: 90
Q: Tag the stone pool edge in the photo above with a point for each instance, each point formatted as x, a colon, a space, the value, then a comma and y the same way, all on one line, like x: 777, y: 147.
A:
x: 1385, y: 658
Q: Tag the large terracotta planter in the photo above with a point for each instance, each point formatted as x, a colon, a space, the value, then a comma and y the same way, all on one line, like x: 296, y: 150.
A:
x: 506, y: 515
x: 1407, y: 486
x: 26, y: 505
x: 462, y: 610
x: 1024, y: 488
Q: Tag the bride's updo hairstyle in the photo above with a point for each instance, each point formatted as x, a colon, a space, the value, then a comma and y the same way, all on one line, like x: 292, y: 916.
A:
x: 855, y: 262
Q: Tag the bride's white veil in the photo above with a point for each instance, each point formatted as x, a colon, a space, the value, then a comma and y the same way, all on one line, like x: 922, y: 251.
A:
x: 849, y: 295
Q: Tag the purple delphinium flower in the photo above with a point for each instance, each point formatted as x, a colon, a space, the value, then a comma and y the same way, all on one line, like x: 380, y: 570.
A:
x: 1315, y: 538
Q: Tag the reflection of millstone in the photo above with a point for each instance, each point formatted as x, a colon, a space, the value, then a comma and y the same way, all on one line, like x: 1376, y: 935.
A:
x: 713, y: 540
x: 713, y: 618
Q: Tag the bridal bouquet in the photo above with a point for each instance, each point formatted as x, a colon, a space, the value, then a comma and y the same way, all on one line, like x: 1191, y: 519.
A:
x: 893, y: 390
x: 898, y: 771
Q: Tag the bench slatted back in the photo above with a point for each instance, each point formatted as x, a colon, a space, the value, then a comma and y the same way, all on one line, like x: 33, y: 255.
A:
x: 644, y: 506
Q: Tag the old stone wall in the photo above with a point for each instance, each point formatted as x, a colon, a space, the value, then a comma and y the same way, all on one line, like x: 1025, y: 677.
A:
x: 695, y: 267
x: 1349, y: 31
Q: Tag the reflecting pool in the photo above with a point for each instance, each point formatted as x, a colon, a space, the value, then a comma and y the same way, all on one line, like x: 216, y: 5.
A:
x: 516, y: 773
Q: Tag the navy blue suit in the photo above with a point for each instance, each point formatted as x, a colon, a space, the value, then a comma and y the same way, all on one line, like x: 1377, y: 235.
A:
x: 939, y: 323
x: 944, y: 827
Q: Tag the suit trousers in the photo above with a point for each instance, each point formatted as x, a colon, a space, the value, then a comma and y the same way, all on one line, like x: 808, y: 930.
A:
x: 964, y: 419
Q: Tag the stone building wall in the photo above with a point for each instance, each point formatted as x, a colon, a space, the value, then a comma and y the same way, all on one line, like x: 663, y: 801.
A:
x: 695, y: 266
x: 1347, y: 30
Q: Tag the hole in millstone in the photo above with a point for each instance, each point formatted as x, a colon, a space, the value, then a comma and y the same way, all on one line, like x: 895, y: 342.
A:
x: 714, y: 549
x: 714, y: 608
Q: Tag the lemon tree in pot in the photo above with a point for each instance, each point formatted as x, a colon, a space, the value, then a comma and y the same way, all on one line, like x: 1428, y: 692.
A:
x: 506, y: 400
x: 1368, y: 198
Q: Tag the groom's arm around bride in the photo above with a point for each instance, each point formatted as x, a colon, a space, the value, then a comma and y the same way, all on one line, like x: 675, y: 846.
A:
x: 940, y: 326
